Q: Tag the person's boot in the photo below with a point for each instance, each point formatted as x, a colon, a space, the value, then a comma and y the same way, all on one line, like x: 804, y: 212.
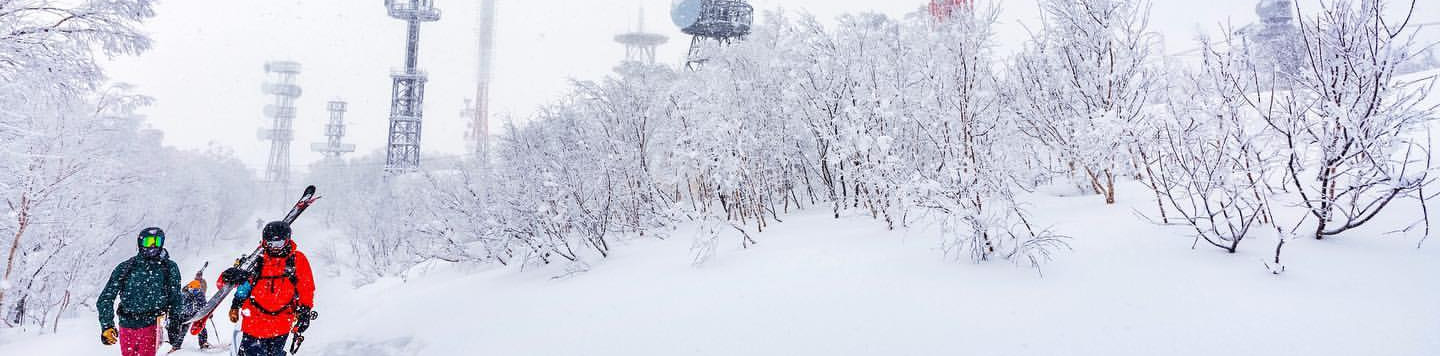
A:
x: 204, y: 346
x: 173, y: 349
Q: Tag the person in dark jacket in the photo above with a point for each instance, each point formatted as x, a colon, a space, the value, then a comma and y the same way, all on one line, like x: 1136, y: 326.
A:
x: 194, y: 299
x: 148, y: 287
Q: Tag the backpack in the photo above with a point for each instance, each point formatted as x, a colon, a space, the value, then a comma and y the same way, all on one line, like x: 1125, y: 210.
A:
x: 289, y: 273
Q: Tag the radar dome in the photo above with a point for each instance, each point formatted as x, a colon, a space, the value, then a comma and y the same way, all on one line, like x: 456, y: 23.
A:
x: 686, y: 13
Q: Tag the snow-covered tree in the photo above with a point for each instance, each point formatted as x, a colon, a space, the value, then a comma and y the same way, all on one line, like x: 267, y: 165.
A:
x: 84, y: 174
x: 1349, y: 126
x: 1082, y: 84
x: 1212, y: 165
x: 47, y: 71
x: 1339, y: 137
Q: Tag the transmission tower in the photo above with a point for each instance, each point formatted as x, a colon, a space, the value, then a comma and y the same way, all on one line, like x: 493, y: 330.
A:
x: 722, y: 21
x: 640, y: 45
x: 477, y: 110
x: 408, y: 92
x: 281, y: 113
x: 1275, y: 39
x: 333, y: 147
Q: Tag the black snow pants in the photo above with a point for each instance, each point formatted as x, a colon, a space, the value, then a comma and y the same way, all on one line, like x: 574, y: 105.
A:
x: 177, y: 336
x: 251, y: 346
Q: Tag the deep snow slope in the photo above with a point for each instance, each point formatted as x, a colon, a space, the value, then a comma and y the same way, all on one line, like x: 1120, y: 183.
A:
x: 821, y: 286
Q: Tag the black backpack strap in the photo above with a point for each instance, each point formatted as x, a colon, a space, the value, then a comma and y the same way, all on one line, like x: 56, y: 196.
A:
x: 255, y: 273
x: 169, y: 276
x: 294, y: 280
x: 281, y: 310
x: 123, y: 280
x: 128, y: 268
x: 290, y: 271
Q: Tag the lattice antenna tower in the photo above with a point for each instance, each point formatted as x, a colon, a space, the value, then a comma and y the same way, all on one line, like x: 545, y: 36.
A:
x: 402, y: 152
x: 477, y: 110
x: 1275, y: 39
x: 718, y: 21
x: 334, y: 147
x: 640, y: 45
x: 281, y: 113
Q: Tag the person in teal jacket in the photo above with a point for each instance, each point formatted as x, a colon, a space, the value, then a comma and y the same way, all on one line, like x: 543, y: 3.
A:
x: 148, y: 287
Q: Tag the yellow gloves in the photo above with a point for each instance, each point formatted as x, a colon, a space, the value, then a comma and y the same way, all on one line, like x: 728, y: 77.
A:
x: 109, y: 336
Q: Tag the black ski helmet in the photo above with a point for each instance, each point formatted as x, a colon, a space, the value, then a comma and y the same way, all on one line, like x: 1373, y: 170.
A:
x: 151, y: 242
x: 276, y: 232
x: 156, y: 234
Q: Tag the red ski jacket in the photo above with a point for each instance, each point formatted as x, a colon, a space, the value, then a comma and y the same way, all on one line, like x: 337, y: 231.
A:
x: 270, y: 309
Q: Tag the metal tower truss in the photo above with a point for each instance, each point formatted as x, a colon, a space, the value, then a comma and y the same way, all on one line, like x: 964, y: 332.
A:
x: 640, y: 45
x: 334, y: 147
x: 408, y: 89
x: 282, y: 114
x: 722, y: 21
x: 406, y: 114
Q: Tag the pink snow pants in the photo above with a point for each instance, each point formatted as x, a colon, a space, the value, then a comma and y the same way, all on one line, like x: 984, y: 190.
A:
x: 138, y: 342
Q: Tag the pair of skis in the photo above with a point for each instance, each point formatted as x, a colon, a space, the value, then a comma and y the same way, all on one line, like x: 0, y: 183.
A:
x: 249, y: 261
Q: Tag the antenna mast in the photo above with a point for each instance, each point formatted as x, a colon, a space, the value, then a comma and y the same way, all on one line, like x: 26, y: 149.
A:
x: 334, y: 147
x: 639, y: 46
x: 478, y: 109
x: 402, y: 154
x: 282, y: 115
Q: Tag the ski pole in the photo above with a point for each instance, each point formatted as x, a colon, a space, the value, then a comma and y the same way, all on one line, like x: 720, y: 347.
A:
x: 300, y: 339
x: 295, y: 343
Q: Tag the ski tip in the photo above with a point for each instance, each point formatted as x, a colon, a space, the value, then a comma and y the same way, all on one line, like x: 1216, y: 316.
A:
x: 309, y: 190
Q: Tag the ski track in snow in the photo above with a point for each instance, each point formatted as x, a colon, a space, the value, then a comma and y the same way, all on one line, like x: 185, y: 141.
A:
x: 820, y: 286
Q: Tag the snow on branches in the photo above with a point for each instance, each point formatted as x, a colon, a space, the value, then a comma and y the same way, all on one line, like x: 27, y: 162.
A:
x: 1340, y: 137
x: 885, y: 118
x: 1081, y: 86
x: 48, y: 45
x: 83, y: 175
x: 917, y: 121
x: 1348, y: 122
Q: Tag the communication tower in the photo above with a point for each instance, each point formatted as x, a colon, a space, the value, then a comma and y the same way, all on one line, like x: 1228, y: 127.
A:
x: 282, y: 114
x: 477, y: 110
x: 333, y: 147
x: 1276, y: 12
x: 402, y: 152
x: 721, y: 21
x: 640, y: 45
x: 1274, y: 40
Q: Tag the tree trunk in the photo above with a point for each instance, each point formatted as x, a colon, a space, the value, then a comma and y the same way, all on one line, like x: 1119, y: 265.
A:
x: 1109, y: 187
x: 1155, y: 187
x: 23, y: 221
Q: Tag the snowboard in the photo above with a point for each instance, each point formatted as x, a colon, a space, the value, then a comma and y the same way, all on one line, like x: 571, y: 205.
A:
x: 248, y: 262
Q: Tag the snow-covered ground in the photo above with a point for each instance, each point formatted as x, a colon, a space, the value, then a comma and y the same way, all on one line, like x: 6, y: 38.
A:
x: 820, y: 286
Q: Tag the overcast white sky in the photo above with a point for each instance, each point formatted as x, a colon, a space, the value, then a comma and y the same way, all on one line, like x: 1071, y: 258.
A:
x: 207, y: 65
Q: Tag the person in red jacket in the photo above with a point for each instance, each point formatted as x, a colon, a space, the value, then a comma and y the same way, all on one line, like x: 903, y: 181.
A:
x: 279, y: 297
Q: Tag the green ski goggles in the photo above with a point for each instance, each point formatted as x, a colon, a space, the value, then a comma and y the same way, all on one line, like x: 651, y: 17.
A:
x: 152, y: 241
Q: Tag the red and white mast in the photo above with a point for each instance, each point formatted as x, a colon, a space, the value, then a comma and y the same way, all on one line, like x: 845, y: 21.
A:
x: 478, y: 109
x: 943, y: 9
